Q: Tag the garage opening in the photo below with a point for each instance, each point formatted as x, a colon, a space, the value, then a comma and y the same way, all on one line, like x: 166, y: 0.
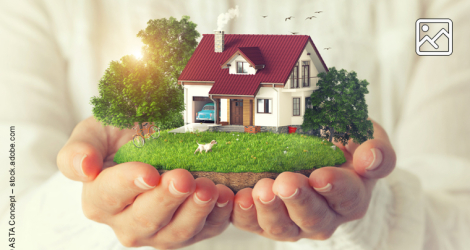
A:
x: 203, y: 110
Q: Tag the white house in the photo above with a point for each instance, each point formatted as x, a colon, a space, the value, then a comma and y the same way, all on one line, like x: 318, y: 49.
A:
x: 260, y: 80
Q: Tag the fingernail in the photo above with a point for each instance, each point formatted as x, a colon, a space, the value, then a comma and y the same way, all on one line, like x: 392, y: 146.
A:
x: 267, y: 202
x: 139, y: 182
x: 326, y: 188
x: 289, y: 197
x: 377, y: 154
x: 174, y: 191
x: 222, y: 204
x: 245, y: 208
x: 78, y: 164
x: 199, y: 201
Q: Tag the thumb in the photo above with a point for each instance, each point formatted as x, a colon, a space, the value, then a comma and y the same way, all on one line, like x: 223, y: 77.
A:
x: 81, y: 159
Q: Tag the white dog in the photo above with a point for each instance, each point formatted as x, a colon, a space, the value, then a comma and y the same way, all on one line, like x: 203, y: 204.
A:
x: 206, y: 147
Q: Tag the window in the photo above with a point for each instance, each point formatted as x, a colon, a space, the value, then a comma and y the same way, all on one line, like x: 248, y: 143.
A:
x: 265, y: 106
x: 294, y: 77
x: 305, y: 73
x: 208, y: 107
x: 242, y: 67
x: 308, y: 103
x: 296, y: 106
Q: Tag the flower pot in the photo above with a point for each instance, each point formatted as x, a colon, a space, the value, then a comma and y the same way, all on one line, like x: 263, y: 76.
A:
x: 291, y: 129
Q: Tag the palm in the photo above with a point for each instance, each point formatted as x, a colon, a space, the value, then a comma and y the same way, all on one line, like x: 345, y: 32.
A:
x: 111, y: 138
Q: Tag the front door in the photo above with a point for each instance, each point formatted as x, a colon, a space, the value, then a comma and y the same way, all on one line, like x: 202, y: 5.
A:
x: 236, y: 111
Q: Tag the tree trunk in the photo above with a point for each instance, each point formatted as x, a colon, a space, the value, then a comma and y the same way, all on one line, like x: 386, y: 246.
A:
x: 332, y: 134
x: 141, y: 129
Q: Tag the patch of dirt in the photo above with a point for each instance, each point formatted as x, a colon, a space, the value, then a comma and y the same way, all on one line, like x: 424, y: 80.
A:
x: 238, y: 181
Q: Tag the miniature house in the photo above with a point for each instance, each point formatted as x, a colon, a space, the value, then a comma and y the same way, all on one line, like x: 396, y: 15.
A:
x: 257, y: 80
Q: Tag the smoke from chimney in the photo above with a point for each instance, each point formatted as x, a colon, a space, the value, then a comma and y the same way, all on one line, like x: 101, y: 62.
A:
x: 223, y: 18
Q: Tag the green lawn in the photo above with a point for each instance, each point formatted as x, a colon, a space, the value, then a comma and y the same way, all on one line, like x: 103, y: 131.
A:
x: 234, y: 152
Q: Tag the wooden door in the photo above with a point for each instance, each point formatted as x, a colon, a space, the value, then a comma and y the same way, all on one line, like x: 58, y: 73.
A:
x: 236, y: 111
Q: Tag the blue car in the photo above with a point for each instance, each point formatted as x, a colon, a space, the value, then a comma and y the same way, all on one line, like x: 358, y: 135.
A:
x: 207, y: 113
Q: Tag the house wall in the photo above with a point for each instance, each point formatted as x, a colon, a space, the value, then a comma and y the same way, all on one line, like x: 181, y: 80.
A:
x: 233, y: 66
x: 223, y: 110
x: 262, y: 119
x: 287, y: 107
x: 246, y: 112
x: 315, y: 68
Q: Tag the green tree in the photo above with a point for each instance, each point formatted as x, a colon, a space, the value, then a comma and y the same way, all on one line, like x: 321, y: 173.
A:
x: 339, y: 108
x: 145, y: 90
x: 168, y: 44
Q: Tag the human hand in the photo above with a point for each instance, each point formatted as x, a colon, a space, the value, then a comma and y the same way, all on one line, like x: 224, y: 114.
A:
x: 293, y: 206
x: 143, y: 208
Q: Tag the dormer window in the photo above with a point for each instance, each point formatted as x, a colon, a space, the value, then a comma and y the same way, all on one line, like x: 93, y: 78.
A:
x: 242, y: 67
x: 245, y: 60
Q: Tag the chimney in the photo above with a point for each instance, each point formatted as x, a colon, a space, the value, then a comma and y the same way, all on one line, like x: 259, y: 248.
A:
x: 219, y: 41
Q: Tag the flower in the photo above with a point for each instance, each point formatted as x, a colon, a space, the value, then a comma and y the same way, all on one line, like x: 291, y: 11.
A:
x: 237, y: 139
x: 166, y: 140
x: 285, y: 152
x: 238, y: 135
x: 233, y: 134
x: 254, y: 158
x: 266, y: 142
x: 305, y: 150
x: 248, y: 149
x: 287, y: 147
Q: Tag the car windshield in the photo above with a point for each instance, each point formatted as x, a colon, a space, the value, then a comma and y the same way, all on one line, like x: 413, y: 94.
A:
x: 208, y: 107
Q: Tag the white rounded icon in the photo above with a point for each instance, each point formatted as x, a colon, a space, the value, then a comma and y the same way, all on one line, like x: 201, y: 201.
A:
x: 425, y: 28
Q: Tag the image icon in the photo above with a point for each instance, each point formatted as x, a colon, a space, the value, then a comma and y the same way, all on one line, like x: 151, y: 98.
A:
x: 434, y: 37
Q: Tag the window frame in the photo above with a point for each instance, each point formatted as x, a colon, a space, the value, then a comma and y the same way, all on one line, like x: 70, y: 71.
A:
x: 293, y: 106
x: 308, y: 100
x: 243, y: 64
x: 306, y: 69
x: 266, y: 105
x: 295, y: 79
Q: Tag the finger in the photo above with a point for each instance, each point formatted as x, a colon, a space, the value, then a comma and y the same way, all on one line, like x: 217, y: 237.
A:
x: 306, y: 208
x: 103, y: 198
x: 375, y: 158
x: 81, y: 158
x: 244, y: 212
x: 219, y: 219
x: 343, y: 189
x: 153, y: 210
x: 272, y: 215
x: 191, y: 216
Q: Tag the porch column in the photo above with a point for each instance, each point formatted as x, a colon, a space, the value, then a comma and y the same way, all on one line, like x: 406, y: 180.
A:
x: 251, y: 112
x: 217, y: 119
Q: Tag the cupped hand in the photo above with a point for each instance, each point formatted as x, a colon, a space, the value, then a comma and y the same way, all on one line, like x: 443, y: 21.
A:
x: 293, y: 206
x: 144, y: 208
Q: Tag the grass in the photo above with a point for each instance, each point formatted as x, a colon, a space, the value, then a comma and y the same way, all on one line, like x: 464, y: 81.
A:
x: 234, y: 152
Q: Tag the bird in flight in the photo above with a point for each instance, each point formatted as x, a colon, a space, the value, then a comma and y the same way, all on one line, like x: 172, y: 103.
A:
x: 289, y: 18
x: 310, y: 17
x: 294, y: 33
x: 264, y: 16
x: 328, y: 48
x: 318, y: 11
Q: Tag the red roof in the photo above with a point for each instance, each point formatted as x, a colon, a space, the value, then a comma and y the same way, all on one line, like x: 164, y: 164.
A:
x: 279, y: 52
x: 253, y: 54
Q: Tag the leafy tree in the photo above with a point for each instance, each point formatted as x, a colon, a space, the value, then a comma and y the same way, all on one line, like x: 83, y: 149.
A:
x: 339, y: 108
x: 145, y: 90
x: 168, y: 44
